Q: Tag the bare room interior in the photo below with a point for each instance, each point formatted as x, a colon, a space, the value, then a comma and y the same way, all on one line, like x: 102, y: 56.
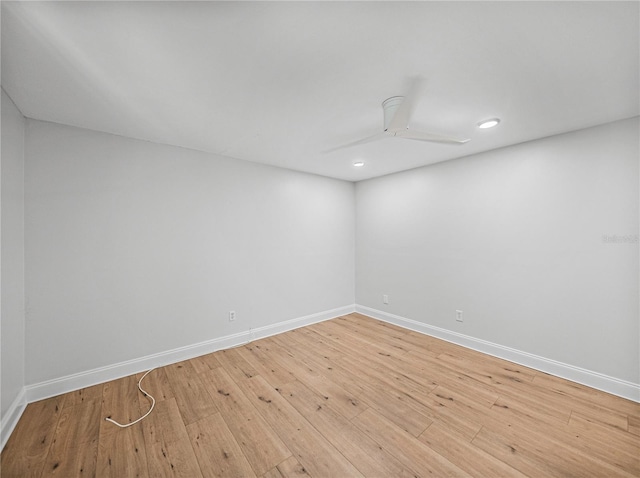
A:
x: 322, y: 239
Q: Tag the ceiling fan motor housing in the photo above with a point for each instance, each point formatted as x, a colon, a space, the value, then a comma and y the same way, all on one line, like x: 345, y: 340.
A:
x: 390, y: 106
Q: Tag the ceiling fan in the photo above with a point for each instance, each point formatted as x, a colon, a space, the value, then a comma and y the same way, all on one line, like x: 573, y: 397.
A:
x: 397, y: 113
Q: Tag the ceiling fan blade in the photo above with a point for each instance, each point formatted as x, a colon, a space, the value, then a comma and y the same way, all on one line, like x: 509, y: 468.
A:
x: 431, y: 137
x: 400, y: 120
x: 368, y: 139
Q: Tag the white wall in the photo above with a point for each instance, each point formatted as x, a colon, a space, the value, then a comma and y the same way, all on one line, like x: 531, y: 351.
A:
x: 514, y: 238
x: 12, y: 321
x: 135, y: 248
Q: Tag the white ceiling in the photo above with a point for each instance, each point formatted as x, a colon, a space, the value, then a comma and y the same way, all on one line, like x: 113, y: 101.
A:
x: 278, y: 83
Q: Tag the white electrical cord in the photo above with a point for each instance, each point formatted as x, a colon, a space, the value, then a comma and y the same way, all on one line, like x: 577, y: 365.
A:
x: 153, y: 404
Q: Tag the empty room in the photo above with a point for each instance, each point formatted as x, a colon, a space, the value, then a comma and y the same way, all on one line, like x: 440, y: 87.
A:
x: 320, y: 239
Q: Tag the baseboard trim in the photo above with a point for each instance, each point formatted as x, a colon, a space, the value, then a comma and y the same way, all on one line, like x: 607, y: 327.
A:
x: 589, y: 378
x: 95, y: 376
x: 11, y: 417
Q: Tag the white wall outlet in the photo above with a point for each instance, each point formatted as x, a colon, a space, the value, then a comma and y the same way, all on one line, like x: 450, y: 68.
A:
x: 232, y: 315
x: 459, y: 315
x: 385, y: 299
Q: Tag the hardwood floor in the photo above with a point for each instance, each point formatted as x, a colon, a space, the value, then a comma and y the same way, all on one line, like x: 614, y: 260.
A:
x: 348, y: 397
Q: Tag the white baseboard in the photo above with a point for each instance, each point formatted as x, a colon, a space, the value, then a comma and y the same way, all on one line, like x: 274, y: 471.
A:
x: 11, y: 417
x: 589, y: 378
x: 88, y: 378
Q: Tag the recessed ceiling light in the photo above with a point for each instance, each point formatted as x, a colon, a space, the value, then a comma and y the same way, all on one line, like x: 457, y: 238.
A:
x: 358, y: 164
x: 490, y: 123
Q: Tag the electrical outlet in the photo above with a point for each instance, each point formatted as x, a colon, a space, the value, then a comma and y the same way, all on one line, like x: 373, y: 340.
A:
x: 385, y: 299
x: 232, y: 315
x: 459, y: 315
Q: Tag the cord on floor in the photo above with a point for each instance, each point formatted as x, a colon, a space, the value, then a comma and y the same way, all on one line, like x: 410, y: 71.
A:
x: 153, y: 404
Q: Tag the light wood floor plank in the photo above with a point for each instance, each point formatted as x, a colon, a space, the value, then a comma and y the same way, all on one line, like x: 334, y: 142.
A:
x: 78, y: 397
x: 395, y: 402
x: 235, y: 364
x: 384, y: 340
x: 388, y: 366
x: 336, y: 397
x: 507, y: 407
x: 430, y: 345
x: 169, y: 450
x: 260, y: 444
x: 217, y: 451
x: 431, y: 369
x: 598, y: 414
x: 502, y: 380
x: 308, y: 446
x: 259, y: 357
x: 204, y: 363
x: 28, y: 446
x: 75, y: 444
x: 122, y: 453
x: 364, y: 453
x: 193, y: 399
x: 376, y: 324
x: 587, y: 395
x: 634, y: 424
x: 273, y: 473
x: 531, y: 452
x: 311, y: 341
x: 616, y: 446
x: 391, y: 405
x: 410, y: 451
x: 347, y: 336
x: 620, y: 455
x: 460, y: 415
x: 291, y: 468
x: 463, y: 454
x: 494, y: 371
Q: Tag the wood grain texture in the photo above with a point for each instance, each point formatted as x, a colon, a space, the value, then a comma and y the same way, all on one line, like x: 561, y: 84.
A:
x: 216, y: 448
x: 464, y: 455
x: 169, y: 450
x: 74, y: 448
x: 27, y: 448
x: 193, y: 399
x: 369, y: 457
x: 352, y: 396
x: 291, y: 468
x: 306, y: 443
x: 259, y: 443
x: 78, y: 397
x: 410, y: 451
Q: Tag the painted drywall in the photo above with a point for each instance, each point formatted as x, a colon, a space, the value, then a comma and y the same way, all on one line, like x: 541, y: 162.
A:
x: 12, y: 328
x: 536, y: 243
x: 135, y: 248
